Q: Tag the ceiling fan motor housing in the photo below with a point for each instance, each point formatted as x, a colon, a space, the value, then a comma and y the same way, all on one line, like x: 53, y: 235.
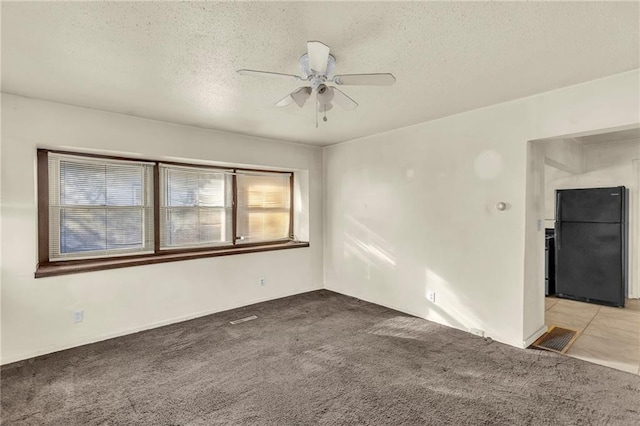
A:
x: 314, y: 78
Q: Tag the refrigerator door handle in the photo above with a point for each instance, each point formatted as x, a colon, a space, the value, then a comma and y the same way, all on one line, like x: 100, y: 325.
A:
x: 558, y: 236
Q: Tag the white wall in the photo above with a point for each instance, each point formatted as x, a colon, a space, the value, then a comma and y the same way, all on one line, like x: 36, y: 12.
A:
x: 405, y: 211
x: 606, y: 164
x: 414, y: 209
x: 565, y: 154
x: 36, y: 314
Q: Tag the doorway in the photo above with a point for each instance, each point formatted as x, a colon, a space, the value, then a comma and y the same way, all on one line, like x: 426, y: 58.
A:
x: 607, y: 335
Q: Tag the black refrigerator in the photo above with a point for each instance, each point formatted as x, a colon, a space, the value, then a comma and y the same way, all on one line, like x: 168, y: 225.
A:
x: 591, y: 241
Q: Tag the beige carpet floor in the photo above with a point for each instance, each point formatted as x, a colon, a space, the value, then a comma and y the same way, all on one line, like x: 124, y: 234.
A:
x: 316, y: 358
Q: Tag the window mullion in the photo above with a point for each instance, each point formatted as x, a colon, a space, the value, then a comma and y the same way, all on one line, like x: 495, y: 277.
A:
x: 234, y: 205
x: 156, y: 208
x: 106, y: 210
x: 291, y: 207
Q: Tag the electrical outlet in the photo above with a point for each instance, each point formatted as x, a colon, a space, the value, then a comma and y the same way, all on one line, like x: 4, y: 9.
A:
x: 261, y: 281
x: 78, y: 316
x: 431, y: 295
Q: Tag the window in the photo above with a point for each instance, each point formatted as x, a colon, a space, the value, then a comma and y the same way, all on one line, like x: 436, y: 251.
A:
x: 264, y: 206
x: 99, y: 207
x: 195, y: 207
x: 99, y: 212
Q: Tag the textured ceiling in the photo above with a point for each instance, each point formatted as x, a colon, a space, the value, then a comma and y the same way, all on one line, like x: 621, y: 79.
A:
x: 176, y: 61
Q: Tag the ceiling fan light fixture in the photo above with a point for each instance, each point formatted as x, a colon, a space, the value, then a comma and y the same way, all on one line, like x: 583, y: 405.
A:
x: 324, y: 107
x: 325, y: 95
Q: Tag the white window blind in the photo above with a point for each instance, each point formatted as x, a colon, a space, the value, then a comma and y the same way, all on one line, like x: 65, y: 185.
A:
x: 99, y: 207
x: 195, y: 207
x: 263, y: 212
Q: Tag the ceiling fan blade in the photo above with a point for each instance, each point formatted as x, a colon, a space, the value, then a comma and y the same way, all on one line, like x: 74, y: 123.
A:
x: 284, y: 101
x: 299, y: 96
x: 269, y: 74
x: 384, y: 79
x: 318, y: 56
x: 344, y: 101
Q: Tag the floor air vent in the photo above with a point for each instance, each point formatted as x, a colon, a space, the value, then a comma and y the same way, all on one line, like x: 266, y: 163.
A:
x: 557, y: 339
x: 241, y: 320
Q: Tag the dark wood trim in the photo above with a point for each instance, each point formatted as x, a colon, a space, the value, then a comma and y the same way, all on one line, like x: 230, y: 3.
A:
x: 234, y: 208
x: 166, y: 252
x: 150, y: 160
x: 156, y: 208
x: 64, y: 268
x: 48, y: 268
x: 291, y: 206
x: 93, y: 155
x: 207, y: 166
x: 43, y: 206
x: 261, y: 171
x: 193, y: 166
x: 265, y: 243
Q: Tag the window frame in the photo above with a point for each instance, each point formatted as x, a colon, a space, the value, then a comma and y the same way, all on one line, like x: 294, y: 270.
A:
x: 147, y: 170
x: 257, y: 209
x: 196, y: 168
x: 46, y: 267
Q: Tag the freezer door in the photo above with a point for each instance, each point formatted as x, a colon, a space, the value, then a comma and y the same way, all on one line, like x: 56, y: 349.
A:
x: 590, y: 205
x: 589, y: 264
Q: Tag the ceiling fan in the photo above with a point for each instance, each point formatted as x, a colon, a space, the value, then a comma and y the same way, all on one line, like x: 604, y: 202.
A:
x: 317, y: 67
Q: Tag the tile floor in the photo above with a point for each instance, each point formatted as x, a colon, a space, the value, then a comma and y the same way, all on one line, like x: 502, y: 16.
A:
x: 608, y: 336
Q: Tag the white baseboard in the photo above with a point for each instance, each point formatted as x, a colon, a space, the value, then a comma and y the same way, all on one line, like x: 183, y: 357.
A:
x: 406, y: 311
x: 529, y: 340
x: 51, y: 349
x: 386, y: 305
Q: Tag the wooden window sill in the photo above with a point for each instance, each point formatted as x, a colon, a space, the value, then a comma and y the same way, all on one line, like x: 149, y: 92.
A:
x: 74, y: 267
